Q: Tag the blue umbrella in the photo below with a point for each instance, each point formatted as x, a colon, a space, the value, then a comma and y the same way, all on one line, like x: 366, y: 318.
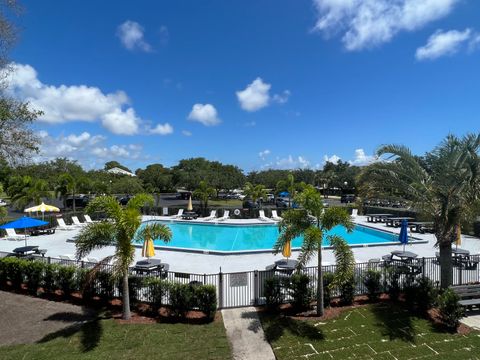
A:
x: 24, y: 223
x: 284, y: 194
x: 403, y: 237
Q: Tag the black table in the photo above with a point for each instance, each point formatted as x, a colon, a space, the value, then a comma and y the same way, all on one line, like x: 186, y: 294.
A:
x: 396, y: 221
x: 189, y: 215
x: 25, y: 250
x: 420, y: 226
x: 150, y: 265
x: 404, y: 255
x: 286, y: 264
x: 377, y: 217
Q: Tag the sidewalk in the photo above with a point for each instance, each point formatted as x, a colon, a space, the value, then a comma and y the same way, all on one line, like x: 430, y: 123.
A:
x: 245, y: 334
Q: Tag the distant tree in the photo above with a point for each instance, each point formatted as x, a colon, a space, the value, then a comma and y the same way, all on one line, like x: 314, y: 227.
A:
x: 3, y: 210
x: 126, y: 185
x: 155, y: 178
x: 24, y: 190
x: 189, y: 172
x: 115, y: 164
x: 69, y: 185
x: 203, y: 193
x: 269, y: 178
x: 290, y: 186
x: 255, y: 192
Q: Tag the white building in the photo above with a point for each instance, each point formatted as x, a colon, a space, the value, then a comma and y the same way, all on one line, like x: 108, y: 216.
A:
x: 118, y: 171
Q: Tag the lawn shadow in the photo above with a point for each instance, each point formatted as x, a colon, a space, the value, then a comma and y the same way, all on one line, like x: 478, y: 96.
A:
x: 394, y: 321
x: 88, y: 324
x: 275, y: 326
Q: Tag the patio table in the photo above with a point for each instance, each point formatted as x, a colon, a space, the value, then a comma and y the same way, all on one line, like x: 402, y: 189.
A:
x: 377, y: 217
x: 189, y: 215
x: 396, y: 221
x: 420, y: 226
x: 25, y: 250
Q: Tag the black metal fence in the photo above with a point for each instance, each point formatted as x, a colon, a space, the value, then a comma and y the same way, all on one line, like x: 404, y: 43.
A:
x: 239, y: 289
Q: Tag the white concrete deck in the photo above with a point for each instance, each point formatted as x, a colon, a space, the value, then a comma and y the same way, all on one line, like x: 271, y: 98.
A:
x: 207, y: 263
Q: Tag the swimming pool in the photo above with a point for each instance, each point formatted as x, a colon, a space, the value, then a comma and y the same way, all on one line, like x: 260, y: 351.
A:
x: 223, y: 238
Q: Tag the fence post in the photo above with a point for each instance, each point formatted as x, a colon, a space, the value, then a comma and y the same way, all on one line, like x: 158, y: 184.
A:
x: 423, y: 268
x: 204, y: 279
x: 220, y: 289
x: 460, y: 275
x: 255, y: 287
x: 49, y: 260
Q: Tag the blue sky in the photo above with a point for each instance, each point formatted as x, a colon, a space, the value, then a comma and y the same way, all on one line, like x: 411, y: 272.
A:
x: 259, y: 84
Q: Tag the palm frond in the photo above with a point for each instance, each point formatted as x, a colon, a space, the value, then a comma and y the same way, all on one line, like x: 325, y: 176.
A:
x: 94, y: 236
x: 154, y: 231
x: 334, y: 216
x: 106, y: 204
x: 139, y: 201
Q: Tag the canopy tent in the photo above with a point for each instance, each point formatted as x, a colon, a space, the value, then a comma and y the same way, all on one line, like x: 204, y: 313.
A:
x: 24, y: 223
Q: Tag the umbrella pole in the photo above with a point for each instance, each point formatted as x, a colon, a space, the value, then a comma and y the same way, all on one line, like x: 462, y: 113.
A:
x: 25, y: 233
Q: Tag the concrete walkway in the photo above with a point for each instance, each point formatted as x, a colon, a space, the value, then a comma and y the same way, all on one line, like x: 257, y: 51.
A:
x: 472, y: 319
x: 245, y: 334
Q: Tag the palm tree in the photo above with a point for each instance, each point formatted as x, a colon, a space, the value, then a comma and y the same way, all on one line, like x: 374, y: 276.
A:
x: 203, y: 193
x: 255, y: 192
x: 313, y: 221
x: 290, y: 186
x: 444, y: 185
x: 120, y: 231
x: 69, y: 185
x: 24, y: 190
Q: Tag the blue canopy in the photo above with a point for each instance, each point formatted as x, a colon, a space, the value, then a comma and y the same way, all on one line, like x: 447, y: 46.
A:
x: 23, y: 223
x: 403, y: 237
x: 284, y: 194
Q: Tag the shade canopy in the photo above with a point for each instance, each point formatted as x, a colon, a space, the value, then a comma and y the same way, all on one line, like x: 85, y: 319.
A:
x: 42, y: 208
x: 403, y: 237
x: 23, y: 223
x: 287, y: 249
x: 189, y: 206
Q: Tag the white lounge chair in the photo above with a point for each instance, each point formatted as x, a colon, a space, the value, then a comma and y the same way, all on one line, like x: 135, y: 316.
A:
x: 179, y: 214
x: 12, y: 235
x: 275, y: 216
x: 88, y: 219
x: 262, y: 216
x: 226, y: 215
x: 77, y: 222
x: 213, y: 215
x: 63, y: 226
x: 354, y: 213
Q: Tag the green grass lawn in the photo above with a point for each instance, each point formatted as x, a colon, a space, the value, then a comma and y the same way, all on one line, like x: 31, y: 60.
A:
x: 230, y: 202
x: 373, y: 332
x: 106, y: 339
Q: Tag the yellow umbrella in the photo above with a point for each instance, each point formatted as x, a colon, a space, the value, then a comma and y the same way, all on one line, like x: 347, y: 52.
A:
x: 148, y: 249
x: 43, y: 208
x: 287, y: 249
x: 458, y: 240
x: 189, y: 206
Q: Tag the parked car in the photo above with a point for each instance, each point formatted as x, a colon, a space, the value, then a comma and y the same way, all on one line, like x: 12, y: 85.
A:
x: 81, y: 201
x: 281, y: 203
x: 124, y: 200
x: 347, y: 198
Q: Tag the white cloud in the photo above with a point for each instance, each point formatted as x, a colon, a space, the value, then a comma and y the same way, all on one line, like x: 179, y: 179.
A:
x: 368, y: 23
x: 263, y: 154
x: 443, y: 43
x: 362, y: 159
x: 255, y: 96
x: 333, y: 159
x: 63, y: 103
x: 291, y: 162
x: 162, y: 129
x: 88, y: 149
x: 282, y: 98
x: 205, y: 114
x: 131, y: 35
x: 186, y: 133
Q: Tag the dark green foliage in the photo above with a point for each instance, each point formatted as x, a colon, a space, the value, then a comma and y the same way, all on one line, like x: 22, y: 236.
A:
x: 327, y: 288
x: 34, y: 274
x: 273, y: 292
x: 135, y: 283
x: 14, y: 270
x: 106, y: 285
x: 85, y: 284
x: 157, y: 288
x: 50, y: 276
x: 393, y: 284
x: 300, y: 291
x: 450, y: 310
x: 373, y: 283
x: 347, y: 291
x: 425, y: 295
x: 66, y: 279
x: 206, y: 298
x: 181, y: 299
x: 410, y: 293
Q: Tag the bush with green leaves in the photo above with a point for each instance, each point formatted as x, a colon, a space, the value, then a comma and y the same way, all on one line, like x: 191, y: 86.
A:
x: 85, y: 283
x: 373, y: 282
x: 15, y: 271
x: 106, y: 285
x: 181, y: 298
x: 450, y: 310
x: 393, y: 283
x: 327, y: 288
x: 34, y: 274
x: 410, y: 293
x: 425, y: 295
x: 300, y: 291
x: 273, y: 292
x: 135, y: 283
x: 66, y: 279
x: 347, y: 291
x: 157, y: 288
x: 49, y: 278
x: 344, y: 278
x: 206, y: 298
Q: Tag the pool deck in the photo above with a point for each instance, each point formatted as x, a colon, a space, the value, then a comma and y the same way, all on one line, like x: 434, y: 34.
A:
x: 57, y: 244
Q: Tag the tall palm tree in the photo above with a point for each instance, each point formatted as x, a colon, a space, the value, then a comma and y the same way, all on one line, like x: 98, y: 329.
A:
x: 24, y: 190
x: 203, y: 193
x: 444, y: 185
x: 313, y: 221
x: 120, y: 231
x: 69, y: 185
x: 290, y: 186
x: 255, y: 192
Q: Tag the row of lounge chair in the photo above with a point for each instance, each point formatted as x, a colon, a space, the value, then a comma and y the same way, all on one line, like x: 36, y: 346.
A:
x: 226, y: 215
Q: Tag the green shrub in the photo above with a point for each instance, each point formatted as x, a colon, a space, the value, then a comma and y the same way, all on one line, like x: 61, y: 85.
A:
x: 34, y: 273
x: 373, y: 283
x: 450, y: 310
x: 85, y: 284
x: 157, y: 288
x: 181, y: 299
x: 327, y: 288
x: 3, y: 272
x: 106, y: 285
x: 15, y: 271
x: 50, y: 277
x: 393, y: 284
x: 66, y: 279
x: 347, y: 291
x: 425, y: 295
x: 410, y: 293
x: 300, y: 291
x: 135, y: 283
x: 206, y: 298
x: 273, y: 292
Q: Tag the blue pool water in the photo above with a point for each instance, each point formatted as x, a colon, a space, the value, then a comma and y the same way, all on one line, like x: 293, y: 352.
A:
x: 221, y: 237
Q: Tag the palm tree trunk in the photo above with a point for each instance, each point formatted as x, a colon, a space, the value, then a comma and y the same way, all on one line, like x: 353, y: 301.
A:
x: 73, y: 196
x: 319, y: 283
x: 446, y: 274
x: 126, y: 297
